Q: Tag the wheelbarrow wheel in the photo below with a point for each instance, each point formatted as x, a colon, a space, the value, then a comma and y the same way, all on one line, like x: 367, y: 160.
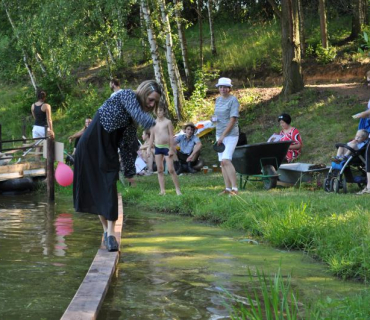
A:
x: 271, y: 182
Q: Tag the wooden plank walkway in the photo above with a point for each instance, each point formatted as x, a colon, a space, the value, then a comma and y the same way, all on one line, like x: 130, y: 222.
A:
x: 28, y: 169
x: 89, y: 297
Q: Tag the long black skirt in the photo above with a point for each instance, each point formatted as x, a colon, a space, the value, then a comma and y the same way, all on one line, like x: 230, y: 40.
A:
x: 96, y: 170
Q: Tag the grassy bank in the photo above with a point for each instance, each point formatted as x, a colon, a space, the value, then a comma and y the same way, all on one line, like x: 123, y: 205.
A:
x: 331, y: 227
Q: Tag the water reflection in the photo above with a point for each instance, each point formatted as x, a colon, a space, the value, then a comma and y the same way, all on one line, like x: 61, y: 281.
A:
x: 63, y: 227
x: 45, y: 252
x: 173, y: 268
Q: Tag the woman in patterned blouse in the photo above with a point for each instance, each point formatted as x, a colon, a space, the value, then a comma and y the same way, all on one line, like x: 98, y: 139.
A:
x: 97, y: 164
x: 290, y: 133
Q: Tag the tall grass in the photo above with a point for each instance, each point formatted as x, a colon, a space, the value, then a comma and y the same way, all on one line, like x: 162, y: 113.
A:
x: 272, y: 298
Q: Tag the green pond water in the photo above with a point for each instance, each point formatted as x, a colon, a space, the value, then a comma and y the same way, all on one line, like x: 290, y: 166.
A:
x: 170, y: 267
x: 173, y: 268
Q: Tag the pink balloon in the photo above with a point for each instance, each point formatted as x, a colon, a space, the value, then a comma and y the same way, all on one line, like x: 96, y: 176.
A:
x: 63, y: 175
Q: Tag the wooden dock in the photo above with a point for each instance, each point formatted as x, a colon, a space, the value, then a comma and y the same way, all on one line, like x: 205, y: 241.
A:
x: 22, y: 170
x: 88, y: 299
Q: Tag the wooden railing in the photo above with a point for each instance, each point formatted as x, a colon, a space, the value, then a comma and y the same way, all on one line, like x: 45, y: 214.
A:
x: 50, y: 145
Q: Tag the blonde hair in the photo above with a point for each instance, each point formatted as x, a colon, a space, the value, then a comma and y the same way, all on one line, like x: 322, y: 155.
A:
x: 145, y: 89
x: 363, y: 133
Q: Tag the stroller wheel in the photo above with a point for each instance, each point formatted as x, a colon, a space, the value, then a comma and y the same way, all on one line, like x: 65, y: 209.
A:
x: 344, y: 185
x: 327, y: 185
x: 335, y: 185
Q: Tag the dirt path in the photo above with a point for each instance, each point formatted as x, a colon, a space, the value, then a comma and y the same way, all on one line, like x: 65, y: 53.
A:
x: 354, y: 89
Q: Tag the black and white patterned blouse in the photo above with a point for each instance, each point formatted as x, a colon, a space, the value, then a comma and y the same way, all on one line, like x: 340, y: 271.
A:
x: 120, y: 109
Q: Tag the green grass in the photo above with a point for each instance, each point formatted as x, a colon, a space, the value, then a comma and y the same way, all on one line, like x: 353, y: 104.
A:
x: 332, y: 228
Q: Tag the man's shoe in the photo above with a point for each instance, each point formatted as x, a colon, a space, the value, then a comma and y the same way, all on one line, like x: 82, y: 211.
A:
x: 190, y: 169
x: 112, y: 244
x: 179, y: 170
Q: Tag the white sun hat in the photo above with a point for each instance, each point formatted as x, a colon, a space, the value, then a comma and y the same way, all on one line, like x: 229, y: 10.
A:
x: 224, y: 82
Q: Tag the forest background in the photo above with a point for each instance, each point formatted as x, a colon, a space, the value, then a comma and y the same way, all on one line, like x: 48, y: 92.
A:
x: 72, y: 49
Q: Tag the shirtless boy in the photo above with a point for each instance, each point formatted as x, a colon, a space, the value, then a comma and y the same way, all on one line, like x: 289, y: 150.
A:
x: 162, y: 138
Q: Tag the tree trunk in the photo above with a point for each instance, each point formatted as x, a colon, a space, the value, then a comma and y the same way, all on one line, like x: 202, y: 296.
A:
x: 364, y: 12
x: 173, y: 71
x: 302, y: 34
x: 357, y: 18
x: 184, y: 47
x: 213, y: 43
x: 158, y: 71
x: 25, y: 56
x: 323, y: 24
x: 275, y: 8
x: 292, y: 73
x: 199, y: 9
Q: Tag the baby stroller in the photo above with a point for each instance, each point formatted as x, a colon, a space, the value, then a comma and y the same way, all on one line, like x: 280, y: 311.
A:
x: 350, y: 170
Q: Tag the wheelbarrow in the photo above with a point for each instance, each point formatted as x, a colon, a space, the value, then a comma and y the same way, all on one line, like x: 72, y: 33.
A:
x: 260, y: 162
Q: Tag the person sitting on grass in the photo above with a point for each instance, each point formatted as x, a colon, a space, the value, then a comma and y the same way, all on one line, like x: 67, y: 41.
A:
x: 146, y: 154
x: 189, y: 152
x: 357, y: 143
x: 161, y: 136
x: 290, y: 133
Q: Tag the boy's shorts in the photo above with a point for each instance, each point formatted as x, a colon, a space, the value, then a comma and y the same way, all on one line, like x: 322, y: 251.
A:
x: 230, y: 144
x: 163, y: 151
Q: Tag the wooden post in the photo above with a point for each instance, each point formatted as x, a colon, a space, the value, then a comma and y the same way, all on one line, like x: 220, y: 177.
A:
x: 50, y: 158
x: 50, y: 168
x: 24, y: 129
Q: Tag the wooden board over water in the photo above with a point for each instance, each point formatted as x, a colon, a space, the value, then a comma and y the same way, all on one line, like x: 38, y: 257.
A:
x: 90, y: 295
x: 28, y: 169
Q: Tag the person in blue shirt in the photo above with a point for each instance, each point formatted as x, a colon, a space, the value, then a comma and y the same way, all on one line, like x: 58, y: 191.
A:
x: 189, y: 152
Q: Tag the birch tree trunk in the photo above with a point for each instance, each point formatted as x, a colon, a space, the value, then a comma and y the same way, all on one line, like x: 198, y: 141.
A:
x: 292, y: 72
x: 323, y: 24
x: 302, y: 34
x: 173, y: 70
x: 200, y: 4
x: 158, y: 71
x: 184, y: 47
x: 213, y: 43
x: 25, y: 56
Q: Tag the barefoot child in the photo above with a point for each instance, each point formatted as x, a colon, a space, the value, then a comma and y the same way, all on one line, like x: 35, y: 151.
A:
x: 162, y: 137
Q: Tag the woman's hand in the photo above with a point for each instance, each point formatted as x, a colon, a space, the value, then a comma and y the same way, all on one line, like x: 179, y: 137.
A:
x: 220, y: 139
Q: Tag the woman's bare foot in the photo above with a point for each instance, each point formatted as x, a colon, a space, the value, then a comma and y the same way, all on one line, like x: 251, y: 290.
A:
x: 162, y: 194
x: 178, y: 192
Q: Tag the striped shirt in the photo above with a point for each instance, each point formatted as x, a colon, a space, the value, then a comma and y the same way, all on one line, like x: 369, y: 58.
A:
x: 225, y: 109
